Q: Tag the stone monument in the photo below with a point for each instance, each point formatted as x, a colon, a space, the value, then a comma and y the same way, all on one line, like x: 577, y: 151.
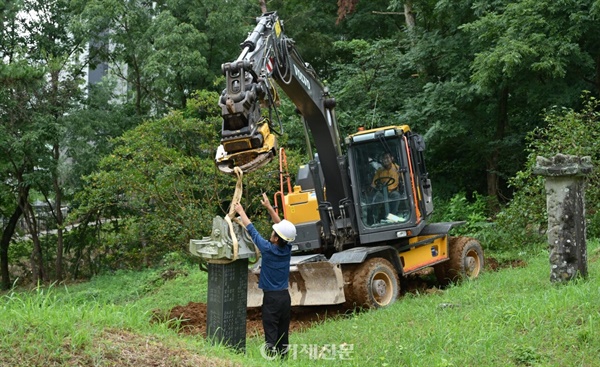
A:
x: 565, y: 202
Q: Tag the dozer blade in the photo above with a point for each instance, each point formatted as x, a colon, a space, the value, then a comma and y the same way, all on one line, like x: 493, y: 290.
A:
x: 242, y: 151
x: 311, y: 283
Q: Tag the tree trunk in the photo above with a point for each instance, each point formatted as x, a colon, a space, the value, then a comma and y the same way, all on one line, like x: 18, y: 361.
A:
x: 138, y: 92
x: 492, y: 162
x: 59, y: 244
x: 9, y: 231
x: 597, y: 84
x: 263, y: 6
x: 409, y: 16
x: 36, y: 259
x: 7, y: 235
x: 59, y: 217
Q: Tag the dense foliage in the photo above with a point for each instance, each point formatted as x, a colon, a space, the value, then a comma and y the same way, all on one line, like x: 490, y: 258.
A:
x: 568, y: 132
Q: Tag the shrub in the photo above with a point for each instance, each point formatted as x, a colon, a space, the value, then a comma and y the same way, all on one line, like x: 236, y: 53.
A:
x: 522, y: 224
x: 460, y: 208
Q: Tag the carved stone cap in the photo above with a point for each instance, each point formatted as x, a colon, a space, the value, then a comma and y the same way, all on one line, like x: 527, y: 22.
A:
x: 563, y: 165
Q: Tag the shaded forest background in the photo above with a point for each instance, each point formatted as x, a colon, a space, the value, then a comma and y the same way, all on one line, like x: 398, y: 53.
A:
x: 490, y: 85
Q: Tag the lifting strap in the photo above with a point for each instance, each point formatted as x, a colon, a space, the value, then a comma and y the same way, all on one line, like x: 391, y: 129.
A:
x: 237, y: 196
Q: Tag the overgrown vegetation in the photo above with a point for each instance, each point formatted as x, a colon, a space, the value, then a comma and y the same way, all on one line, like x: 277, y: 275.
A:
x: 523, y: 222
x: 159, y: 188
x: 519, y: 228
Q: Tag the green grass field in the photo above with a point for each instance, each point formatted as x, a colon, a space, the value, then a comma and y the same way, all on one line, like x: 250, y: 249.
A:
x: 511, y: 317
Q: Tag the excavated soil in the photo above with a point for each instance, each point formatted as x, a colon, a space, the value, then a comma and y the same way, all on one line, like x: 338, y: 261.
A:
x: 193, y: 315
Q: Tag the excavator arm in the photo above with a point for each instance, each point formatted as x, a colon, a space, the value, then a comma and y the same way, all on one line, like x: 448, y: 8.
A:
x: 248, y: 139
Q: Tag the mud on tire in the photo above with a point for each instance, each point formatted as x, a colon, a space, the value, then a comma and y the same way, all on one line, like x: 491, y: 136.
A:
x: 373, y: 284
x: 466, y: 261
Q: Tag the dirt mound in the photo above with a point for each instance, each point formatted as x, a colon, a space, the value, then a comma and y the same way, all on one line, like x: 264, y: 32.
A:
x: 193, y: 317
x: 494, y: 265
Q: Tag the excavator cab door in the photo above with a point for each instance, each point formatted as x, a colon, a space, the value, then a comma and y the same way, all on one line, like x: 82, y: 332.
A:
x: 383, y: 195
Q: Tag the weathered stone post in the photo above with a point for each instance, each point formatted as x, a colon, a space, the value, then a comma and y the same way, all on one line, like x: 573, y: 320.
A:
x: 226, y: 251
x: 565, y: 202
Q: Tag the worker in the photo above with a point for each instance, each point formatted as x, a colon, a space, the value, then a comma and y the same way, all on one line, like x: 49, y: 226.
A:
x: 274, y: 277
x: 387, y: 178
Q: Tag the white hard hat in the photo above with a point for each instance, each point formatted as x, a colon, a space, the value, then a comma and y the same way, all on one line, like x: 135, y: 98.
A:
x: 285, y: 230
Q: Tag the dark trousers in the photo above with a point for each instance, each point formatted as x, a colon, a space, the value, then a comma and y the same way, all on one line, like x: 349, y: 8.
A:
x: 276, y: 310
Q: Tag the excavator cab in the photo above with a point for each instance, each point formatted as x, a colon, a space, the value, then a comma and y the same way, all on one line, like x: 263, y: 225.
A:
x: 391, y: 184
x: 383, y: 194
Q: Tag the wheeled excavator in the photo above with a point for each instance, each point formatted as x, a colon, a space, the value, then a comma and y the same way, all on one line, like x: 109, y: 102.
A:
x: 355, y: 240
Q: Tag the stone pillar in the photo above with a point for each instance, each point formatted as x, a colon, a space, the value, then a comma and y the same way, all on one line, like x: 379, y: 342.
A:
x: 226, y: 304
x: 565, y: 202
x: 227, y: 251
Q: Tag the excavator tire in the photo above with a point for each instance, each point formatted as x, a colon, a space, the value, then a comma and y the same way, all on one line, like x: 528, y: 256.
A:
x: 372, y: 284
x: 466, y: 261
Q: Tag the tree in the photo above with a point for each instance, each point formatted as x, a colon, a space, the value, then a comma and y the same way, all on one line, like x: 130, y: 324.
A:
x: 120, y: 35
x: 21, y: 145
x: 157, y: 187
x: 223, y: 25
x: 364, y: 83
x: 529, y: 52
x: 160, y: 187
x: 481, y: 74
x: 177, y: 63
x: 43, y: 75
x: 23, y: 132
x: 568, y: 131
x: 166, y: 51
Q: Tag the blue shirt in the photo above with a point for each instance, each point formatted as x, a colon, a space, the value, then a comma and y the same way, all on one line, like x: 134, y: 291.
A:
x: 275, y: 263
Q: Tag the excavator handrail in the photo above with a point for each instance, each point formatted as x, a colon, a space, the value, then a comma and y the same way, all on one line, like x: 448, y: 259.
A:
x: 412, y: 180
x: 282, y: 163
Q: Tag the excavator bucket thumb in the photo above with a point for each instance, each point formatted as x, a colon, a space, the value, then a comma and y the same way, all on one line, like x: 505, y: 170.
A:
x: 313, y: 281
x: 248, y: 152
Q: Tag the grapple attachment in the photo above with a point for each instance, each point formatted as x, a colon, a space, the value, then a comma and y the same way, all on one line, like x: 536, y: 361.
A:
x: 249, y: 152
x: 313, y: 281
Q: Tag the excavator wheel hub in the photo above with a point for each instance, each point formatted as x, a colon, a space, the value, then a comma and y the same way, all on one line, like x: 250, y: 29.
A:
x: 379, y: 287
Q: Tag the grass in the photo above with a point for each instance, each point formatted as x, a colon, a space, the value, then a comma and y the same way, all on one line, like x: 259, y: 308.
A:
x: 512, y: 317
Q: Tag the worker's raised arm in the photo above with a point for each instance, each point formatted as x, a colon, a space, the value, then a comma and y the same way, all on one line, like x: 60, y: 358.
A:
x: 267, y: 204
x: 242, y: 213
